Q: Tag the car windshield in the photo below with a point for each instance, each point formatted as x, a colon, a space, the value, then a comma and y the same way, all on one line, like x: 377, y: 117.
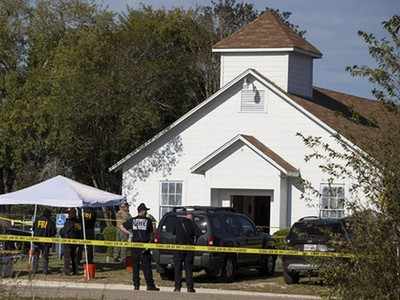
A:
x: 315, y: 231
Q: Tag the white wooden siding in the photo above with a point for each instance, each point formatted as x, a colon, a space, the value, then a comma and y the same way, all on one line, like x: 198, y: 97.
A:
x: 273, y: 65
x: 213, y: 126
x: 292, y: 72
x: 300, y: 76
x: 243, y: 169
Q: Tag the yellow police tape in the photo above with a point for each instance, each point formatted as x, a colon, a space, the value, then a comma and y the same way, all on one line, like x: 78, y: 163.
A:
x: 153, y: 246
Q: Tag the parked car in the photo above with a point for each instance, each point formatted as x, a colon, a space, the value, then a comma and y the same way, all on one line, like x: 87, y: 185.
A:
x: 311, y: 234
x: 219, y: 227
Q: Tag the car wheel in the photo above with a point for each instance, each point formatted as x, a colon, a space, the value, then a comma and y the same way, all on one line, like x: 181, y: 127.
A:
x: 268, y: 265
x: 229, y: 269
x: 291, y: 277
x: 166, y: 274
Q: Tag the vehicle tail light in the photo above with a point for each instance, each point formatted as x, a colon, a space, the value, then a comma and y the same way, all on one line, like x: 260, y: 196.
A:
x: 210, y: 241
x: 157, y: 237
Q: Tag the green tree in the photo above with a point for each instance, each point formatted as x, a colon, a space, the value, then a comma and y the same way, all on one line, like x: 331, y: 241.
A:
x: 13, y: 27
x: 116, y: 84
x: 375, y: 175
x: 385, y: 77
x: 80, y: 86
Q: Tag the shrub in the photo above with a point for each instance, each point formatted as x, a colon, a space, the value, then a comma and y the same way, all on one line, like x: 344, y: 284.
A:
x: 110, y: 234
x: 279, y: 238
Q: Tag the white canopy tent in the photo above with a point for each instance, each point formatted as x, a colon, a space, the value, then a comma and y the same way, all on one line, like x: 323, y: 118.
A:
x: 60, y: 191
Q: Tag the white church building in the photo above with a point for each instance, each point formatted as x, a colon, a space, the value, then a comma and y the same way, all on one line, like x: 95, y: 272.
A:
x: 239, y: 148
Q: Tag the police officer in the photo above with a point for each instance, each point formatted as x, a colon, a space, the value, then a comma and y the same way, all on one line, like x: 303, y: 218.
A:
x: 141, y: 229
x: 186, y: 233
x: 72, y: 230
x: 43, y: 226
x: 90, y: 221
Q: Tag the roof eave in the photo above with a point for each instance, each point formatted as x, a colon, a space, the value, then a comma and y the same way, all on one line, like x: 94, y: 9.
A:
x: 258, y: 76
x: 198, y: 168
x: 119, y: 164
x: 293, y: 173
x: 287, y: 49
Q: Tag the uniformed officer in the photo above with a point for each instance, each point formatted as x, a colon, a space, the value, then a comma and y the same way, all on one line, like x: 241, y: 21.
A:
x: 43, y: 226
x: 72, y: 230
x: 122, y: 216
x: 90, y: 222
x: 186, y: 233
x: 141, y: 229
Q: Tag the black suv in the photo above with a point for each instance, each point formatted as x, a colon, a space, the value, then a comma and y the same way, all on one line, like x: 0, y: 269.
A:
x: 311, y: 234
x: 219, y: 227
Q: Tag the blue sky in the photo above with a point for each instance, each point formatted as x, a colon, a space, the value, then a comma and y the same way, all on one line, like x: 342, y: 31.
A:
x: 331, y: 26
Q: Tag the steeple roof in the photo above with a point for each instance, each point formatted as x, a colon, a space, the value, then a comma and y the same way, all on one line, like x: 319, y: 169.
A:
x: 267, y: 31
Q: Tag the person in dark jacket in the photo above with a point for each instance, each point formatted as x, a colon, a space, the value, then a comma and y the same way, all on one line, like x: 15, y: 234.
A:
x: 186, y: 233
x: 141, y: 230
x: 90, y: 222
x: 72, y: 230
x: 43, y: 226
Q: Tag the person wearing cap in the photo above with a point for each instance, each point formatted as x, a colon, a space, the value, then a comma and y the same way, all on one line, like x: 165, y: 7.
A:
x: 43, y: 226
x: 141, y: 230
x: 122, y: 216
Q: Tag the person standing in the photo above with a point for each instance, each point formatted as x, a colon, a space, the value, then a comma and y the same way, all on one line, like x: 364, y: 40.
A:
x: 43, y: 226
x: 141, y: 229
x: 122, y: 216
x: 89, y: 214
x: 72, y: 230
x: 186, y: 233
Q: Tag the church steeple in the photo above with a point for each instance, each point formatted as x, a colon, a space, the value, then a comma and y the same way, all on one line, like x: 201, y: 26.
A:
x: 272, y: 48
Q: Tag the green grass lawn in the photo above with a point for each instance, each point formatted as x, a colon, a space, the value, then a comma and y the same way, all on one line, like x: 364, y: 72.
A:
x: 247, y: 280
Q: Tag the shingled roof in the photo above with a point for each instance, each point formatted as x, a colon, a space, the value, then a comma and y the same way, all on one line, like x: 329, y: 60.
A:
x: 267, y: 31
x: 271, y: 154
x: 358, y: 119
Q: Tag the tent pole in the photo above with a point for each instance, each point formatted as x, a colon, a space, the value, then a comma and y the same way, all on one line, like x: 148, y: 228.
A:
x: 85, y: 268
x: 33, y: 223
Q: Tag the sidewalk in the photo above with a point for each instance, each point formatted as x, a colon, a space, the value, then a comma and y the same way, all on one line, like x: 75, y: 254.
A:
x: 74, y: 290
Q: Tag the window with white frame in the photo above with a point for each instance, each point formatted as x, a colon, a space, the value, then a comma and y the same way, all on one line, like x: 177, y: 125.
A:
x: 171, y: 196
x: 332, y: 200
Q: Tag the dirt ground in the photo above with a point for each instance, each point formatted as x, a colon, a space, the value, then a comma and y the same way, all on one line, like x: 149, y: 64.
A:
x: 247, y: 280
